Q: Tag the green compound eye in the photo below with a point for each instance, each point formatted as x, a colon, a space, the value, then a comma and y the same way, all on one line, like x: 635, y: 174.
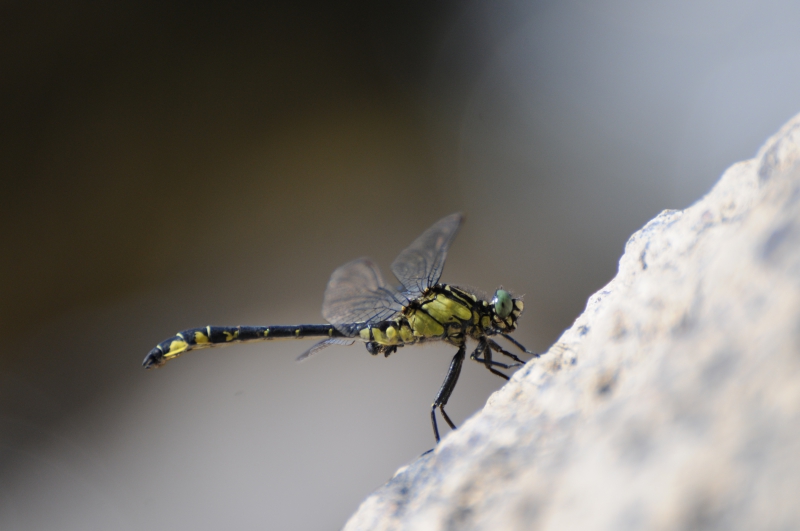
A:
x: 502, y: 303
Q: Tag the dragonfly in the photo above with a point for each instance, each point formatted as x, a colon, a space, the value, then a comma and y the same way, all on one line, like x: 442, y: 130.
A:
x: 360, y: 305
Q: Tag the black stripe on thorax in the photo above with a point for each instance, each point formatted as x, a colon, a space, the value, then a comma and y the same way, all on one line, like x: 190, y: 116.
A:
x: 458, y: 295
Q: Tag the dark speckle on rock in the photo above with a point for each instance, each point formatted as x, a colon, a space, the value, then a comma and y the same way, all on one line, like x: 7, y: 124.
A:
x: 605, y: 382
x: 636, y: 444
x: 776, y: 239
x: 702, y: 513
x: 720, y: 368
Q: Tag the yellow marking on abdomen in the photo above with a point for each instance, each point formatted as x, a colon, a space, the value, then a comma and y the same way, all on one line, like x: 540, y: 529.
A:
x: 406, y: 334
x: 390, y: 337
x: 379, y: 337
x: 176, y: 347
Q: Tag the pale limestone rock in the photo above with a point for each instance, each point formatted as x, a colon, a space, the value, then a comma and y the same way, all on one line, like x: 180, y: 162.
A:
x: 673, y: 402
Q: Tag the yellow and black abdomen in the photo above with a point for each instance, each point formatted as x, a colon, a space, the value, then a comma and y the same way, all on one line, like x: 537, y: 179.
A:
x: 211, y: 336
x: 388, y: 333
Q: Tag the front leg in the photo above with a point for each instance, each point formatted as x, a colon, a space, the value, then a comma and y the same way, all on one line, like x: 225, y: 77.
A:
x: 497, y: 348
x: 483, y: 349
x: 521, y: 346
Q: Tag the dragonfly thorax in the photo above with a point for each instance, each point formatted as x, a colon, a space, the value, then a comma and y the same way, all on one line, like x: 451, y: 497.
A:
x: 445, y: 313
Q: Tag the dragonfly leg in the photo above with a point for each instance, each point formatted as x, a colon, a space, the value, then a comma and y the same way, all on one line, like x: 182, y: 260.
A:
x: 447, y: 389
x: 483, y: 348
x: 521, y: 346
x: 504, y: 352
x: 493, y: 363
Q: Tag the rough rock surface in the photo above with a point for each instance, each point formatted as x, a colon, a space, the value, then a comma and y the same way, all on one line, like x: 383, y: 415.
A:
x: 673, y: 402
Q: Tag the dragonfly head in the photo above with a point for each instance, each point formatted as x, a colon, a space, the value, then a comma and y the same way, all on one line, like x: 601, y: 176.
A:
x: 505, y: 310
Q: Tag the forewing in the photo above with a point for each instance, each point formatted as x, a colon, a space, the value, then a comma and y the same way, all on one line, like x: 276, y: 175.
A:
x: 357, y: 294
x: 420, y: 265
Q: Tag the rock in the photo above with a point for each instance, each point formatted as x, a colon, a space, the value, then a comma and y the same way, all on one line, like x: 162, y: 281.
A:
x: 673, y: 402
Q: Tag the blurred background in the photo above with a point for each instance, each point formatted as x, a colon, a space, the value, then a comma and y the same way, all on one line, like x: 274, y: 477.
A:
x: 167, y: 165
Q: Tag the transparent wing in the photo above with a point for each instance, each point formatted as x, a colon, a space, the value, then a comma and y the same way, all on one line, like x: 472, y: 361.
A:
x: 420, y: 265
x: 323, y: 344
x: 357, y: 294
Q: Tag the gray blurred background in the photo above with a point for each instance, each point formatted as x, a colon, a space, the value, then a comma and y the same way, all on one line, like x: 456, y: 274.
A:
x: 169, y: 165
